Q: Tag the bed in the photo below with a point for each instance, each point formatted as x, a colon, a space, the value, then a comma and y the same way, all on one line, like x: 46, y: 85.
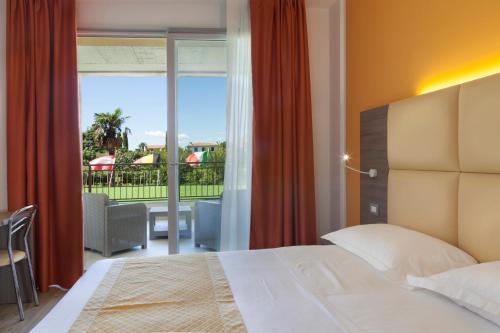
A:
x: 306, y: 289
x: 444, y: 185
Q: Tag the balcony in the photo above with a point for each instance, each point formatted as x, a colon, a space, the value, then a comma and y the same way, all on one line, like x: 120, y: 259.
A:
x: 148, y: 182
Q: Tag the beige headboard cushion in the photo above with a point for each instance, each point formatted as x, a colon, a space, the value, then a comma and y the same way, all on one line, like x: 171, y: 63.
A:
x: 422, y: 132
x: 429, y: 203
x: 479, y: 215
x: 479, y: 128
x: 444, y: 159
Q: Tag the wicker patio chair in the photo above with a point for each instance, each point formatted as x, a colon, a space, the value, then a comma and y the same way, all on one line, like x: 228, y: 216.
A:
x: 109, y: 227
x: 207, y: 225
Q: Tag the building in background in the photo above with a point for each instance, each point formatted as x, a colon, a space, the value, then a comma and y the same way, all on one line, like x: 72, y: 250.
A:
x: 155, y: 147
x: 202, y: 146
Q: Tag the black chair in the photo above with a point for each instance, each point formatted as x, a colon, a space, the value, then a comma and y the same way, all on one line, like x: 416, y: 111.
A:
x: 20, y: 224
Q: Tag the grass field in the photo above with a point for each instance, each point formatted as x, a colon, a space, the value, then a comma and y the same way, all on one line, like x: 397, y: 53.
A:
x: 131, y: 193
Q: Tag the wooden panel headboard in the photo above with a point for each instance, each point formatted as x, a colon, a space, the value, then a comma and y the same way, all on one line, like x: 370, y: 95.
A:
x: 438, y: 162
x: 374, y: 156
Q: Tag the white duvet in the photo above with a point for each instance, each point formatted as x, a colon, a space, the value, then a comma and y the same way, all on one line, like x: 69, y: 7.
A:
x: 307, y: 289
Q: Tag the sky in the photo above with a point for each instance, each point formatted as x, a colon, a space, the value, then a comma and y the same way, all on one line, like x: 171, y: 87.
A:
x: 201, y: 106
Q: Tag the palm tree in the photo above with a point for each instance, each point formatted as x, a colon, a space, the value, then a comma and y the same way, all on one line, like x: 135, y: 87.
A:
x: 142, y: 146
x: 108, y: 129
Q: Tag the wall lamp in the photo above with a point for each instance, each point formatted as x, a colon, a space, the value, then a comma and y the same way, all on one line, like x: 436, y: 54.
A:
x: 372, y: 173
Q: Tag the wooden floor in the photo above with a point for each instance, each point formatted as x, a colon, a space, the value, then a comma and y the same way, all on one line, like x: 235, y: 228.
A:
x: 9, y: 317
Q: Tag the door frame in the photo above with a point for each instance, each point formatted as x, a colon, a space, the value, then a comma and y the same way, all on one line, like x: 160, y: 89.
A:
x: 171, y: 35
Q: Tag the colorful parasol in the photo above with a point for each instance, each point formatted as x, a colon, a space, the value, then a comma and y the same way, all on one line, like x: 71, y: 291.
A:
x: 103, y: 163
x: 197, y: 158
x: 148, y: 159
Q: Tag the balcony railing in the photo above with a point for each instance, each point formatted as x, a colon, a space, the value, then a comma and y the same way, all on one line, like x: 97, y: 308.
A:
x: 133, y: 182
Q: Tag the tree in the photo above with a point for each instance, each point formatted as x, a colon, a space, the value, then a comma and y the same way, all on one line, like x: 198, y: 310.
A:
x: 89, y: 146
x: 108, y: 130
x: 125, y: 134
x: 142, y: 146
x: 219, y: 155
x: 88, y: 138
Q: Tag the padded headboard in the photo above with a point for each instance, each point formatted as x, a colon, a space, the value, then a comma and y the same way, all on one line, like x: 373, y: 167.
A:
x: 443, y: 152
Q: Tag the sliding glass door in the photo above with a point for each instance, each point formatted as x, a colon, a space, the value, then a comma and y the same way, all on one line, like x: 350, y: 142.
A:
x: 164, y: 98
x: 196, y: 67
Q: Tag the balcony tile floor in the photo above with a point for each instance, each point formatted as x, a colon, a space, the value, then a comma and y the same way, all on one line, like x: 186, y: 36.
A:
x: 156, y: 247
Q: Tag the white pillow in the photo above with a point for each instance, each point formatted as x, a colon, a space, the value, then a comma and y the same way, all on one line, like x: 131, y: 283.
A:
x: 398, y: 251
x: 476, y: 287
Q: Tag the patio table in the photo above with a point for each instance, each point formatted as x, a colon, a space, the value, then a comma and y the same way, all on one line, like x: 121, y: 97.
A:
x: 155, y: 212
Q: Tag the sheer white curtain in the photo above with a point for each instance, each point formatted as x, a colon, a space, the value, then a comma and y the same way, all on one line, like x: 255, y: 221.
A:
x: 235, y: 233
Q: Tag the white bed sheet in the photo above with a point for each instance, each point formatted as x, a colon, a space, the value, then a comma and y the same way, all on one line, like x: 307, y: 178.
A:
x: 307, y: 289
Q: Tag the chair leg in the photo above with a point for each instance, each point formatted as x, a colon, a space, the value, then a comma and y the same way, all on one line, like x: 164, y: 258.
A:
x: 16, y: 287
x: 32, y: 277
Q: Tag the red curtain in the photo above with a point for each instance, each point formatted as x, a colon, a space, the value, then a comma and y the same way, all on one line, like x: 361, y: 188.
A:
x: 283, y: 203
x: 43, y: 133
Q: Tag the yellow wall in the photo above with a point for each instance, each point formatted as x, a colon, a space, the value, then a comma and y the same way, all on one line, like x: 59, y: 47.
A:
x: 401, y: 48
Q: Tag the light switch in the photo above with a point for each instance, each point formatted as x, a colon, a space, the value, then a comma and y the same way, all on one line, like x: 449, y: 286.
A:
x: 374, y: 209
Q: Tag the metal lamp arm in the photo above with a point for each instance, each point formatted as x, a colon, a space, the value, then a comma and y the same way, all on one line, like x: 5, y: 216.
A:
x: 372, y: 173
x: 359, y: 171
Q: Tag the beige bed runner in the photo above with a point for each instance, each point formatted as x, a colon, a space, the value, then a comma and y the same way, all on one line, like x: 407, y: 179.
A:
x: 188, y: 293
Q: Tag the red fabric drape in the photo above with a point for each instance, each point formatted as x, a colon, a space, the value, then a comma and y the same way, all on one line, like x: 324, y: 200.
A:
x: 283, y: 203
x: 43, y: 133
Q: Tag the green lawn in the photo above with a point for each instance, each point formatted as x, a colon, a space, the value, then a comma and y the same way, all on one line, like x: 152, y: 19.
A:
x: 131, y: 193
